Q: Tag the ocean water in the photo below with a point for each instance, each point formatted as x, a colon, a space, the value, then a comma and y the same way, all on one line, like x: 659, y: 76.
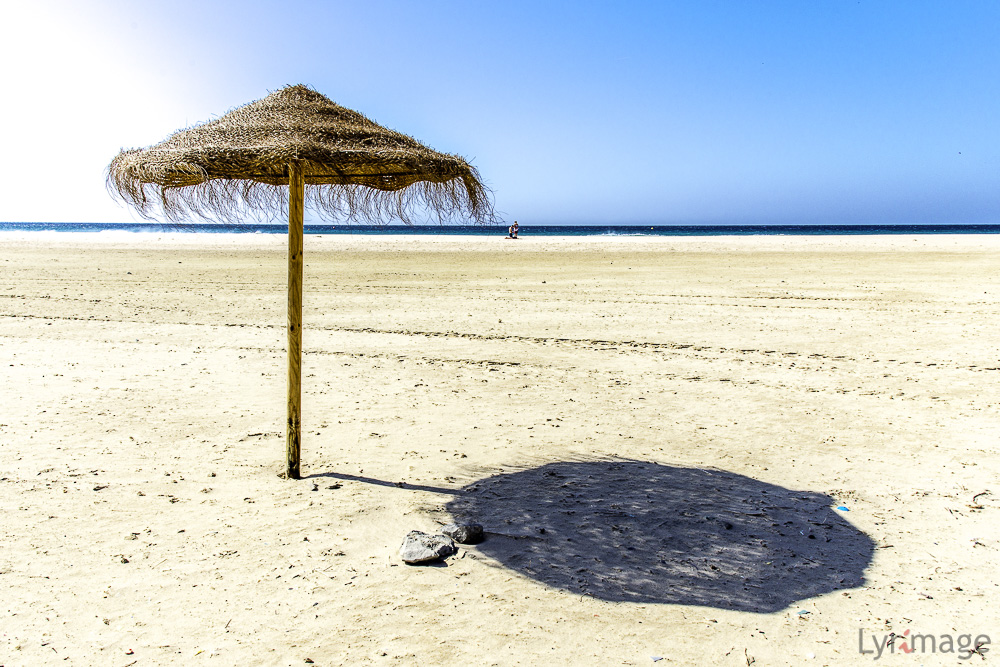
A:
x: 525, y: 230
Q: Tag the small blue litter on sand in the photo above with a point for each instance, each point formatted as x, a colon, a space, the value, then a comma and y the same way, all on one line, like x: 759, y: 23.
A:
x: 656, y: 658
x: 804, y: 612
x: 843, y: 509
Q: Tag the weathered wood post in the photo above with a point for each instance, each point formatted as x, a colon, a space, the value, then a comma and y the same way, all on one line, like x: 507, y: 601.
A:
x: 296, y: 197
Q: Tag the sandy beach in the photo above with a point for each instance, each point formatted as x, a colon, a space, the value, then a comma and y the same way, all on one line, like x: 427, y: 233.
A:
x: 657, y: 434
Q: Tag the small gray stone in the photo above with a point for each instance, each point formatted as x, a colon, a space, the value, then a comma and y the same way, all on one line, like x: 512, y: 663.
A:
x: 422, y: 548
x: 464, y: 533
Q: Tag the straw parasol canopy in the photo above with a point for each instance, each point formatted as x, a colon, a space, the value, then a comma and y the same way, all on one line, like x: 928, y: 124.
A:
x: 225, y: 170
x: 238, y: 166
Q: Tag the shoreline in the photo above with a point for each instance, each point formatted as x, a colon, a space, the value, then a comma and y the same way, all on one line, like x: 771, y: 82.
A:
x: 880, y: 242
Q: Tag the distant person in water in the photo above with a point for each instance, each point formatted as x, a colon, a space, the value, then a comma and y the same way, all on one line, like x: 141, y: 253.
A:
x: 512, y: 231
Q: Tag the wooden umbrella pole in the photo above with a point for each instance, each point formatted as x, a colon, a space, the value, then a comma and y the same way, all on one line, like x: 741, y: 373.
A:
x: 296, y: 197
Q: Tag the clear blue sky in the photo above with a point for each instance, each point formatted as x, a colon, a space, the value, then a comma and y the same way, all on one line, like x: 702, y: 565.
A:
x: 696, y: 111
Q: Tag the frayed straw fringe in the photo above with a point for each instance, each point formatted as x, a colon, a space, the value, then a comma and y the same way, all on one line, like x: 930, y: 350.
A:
x: 234, y: 169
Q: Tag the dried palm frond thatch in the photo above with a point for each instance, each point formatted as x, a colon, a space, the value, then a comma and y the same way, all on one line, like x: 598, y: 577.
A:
x: 236, y: 168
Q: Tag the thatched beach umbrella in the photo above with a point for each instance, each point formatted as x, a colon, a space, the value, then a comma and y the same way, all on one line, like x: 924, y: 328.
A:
x: 236, y: 167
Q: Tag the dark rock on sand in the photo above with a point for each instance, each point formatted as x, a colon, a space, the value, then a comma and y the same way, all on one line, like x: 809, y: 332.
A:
x: 422, y: 548
x: 464, y: 533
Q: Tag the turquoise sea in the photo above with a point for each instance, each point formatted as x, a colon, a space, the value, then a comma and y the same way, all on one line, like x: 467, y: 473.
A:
x: 525, y: 230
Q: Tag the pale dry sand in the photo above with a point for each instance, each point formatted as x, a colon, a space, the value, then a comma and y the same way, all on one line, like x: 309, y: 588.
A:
x: 629, y: 397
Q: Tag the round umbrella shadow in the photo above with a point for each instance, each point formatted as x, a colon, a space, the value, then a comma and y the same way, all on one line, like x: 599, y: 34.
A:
x: 644, y: 532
